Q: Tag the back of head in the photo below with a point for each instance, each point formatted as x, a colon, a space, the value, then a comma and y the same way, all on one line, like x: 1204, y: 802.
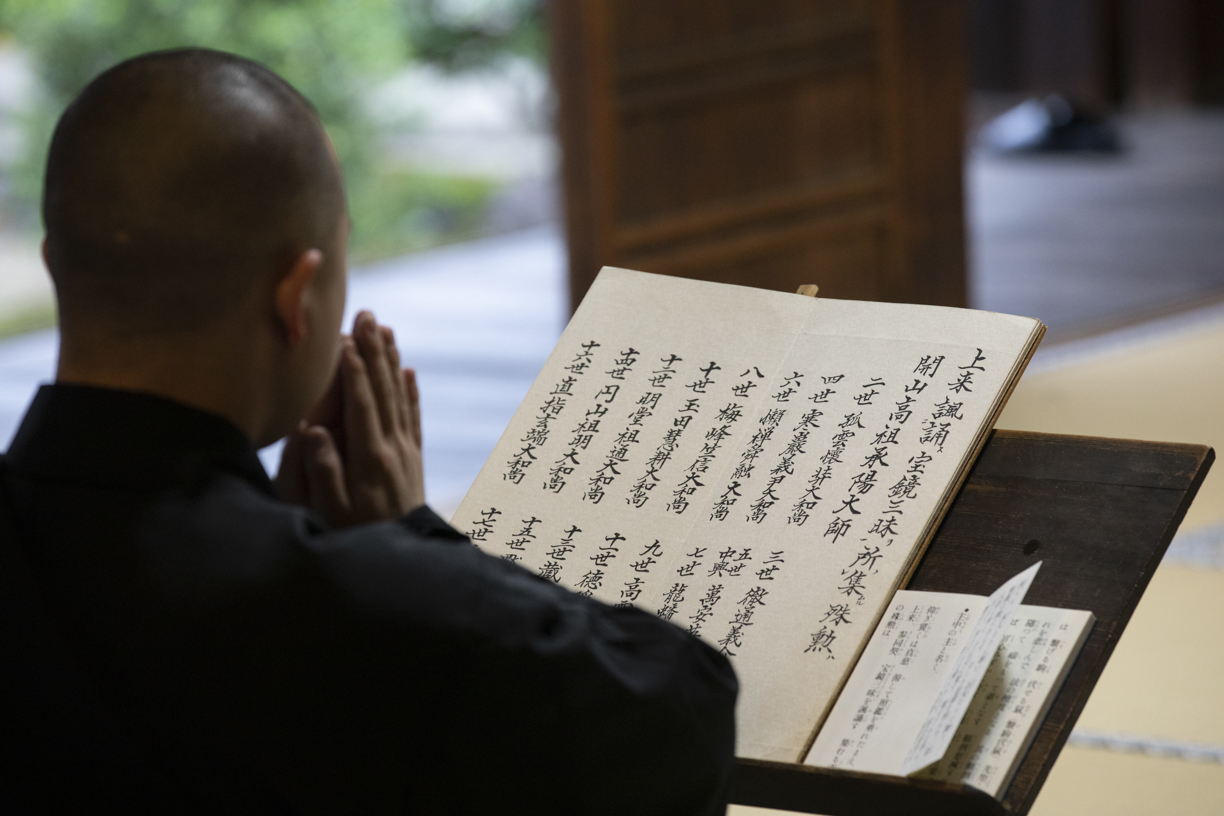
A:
x: 174, y: 182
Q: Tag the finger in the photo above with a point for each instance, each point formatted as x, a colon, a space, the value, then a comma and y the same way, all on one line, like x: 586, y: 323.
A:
x: 402, y: 411
x: 382, y: 379
x: 290, y: 479
x: 325, y: 476
x: 362, y: 426
x: 414, y: 404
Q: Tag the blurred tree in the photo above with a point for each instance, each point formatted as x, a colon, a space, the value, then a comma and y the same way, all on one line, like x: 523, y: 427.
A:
x: 333, y: 51
x: 459, y: 35
x: 329, y: 50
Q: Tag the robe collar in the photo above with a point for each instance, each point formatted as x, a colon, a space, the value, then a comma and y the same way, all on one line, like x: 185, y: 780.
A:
x: 86, y: 435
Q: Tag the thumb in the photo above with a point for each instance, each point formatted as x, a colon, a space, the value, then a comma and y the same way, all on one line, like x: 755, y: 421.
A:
x: 290, y: 479
x: 325, y: 476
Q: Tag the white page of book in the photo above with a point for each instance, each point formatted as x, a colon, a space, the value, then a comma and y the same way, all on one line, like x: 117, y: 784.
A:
x: 1034, y: 657
x: 967, y: 672
x: 908, y: 683
x: 889, y: 696
x: 757, y: 467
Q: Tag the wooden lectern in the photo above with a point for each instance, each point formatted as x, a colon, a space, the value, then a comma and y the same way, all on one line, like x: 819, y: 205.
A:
x: 1099, y: 513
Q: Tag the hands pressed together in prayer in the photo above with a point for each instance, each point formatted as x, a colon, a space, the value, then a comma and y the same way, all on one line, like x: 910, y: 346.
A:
x: 357, y: 457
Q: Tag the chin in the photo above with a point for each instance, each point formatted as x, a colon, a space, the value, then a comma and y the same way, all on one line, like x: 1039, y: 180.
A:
x: 278, y: 428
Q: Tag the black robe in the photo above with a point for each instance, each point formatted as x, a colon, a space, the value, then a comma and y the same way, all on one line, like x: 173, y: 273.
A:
x: 256, y: 661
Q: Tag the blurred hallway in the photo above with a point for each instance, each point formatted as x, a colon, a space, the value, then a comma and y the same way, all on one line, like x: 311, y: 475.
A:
x: 823, y: 141
x: 1083, y: 242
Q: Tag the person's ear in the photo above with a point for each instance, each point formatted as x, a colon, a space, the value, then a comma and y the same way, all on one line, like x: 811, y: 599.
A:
x: 294, y: 295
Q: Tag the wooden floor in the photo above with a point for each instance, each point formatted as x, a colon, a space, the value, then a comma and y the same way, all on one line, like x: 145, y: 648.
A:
x: 1078, y: 243
x: 1086, y: 242
x: 1151, y: 739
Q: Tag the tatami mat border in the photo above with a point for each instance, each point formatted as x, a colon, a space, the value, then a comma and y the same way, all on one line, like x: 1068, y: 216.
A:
x: 1057, y: 356
x: 1148, y: 746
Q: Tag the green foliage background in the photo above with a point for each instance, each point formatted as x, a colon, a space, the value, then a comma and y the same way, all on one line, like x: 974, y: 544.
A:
x: 331, y: 50
x: 462, y: 35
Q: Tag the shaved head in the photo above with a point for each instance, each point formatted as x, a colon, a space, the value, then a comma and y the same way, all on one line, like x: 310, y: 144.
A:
x: 176, y: 182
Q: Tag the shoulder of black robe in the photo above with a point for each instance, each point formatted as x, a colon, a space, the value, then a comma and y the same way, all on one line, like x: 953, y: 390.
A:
x: 269, y: 664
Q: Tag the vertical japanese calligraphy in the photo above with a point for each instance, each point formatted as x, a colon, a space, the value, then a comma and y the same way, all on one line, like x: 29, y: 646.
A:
x: 1033, y: 659
x: 639, y: 494
x: 537, y: 434
x: 917, y: 675
x: 910, y: 664
x: 758, y: 468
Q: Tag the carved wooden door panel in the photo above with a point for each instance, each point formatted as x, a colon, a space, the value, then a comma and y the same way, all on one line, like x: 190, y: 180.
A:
x: 768, y: 143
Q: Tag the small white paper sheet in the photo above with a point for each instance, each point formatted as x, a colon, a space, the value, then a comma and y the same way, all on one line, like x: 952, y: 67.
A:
x: 915, y: 680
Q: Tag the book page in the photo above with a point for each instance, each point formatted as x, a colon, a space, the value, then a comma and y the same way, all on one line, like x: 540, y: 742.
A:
x: 888, y: 697
x: 967, y: 672
x: 1034, y: 657
x: 756, y: 467
x: 909, y: 685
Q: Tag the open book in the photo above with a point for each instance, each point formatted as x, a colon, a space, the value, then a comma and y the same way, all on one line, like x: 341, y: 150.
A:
x: 953, y: 686
x: 760, y: 468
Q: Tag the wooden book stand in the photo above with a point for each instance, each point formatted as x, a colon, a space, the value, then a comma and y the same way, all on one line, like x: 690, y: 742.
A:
x: 1100, y: 513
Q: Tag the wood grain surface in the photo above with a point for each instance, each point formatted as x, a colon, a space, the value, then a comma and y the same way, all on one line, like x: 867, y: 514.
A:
x: 1099, y: 514
x: 765, y: 143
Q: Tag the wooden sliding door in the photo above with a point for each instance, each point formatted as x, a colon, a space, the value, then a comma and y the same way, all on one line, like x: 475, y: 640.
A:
x: 766, y: 142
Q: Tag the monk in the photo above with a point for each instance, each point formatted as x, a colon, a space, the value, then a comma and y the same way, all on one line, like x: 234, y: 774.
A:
x: 182, y: 634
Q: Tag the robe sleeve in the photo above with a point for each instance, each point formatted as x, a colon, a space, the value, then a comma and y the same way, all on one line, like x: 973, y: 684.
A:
x: 548, y: 701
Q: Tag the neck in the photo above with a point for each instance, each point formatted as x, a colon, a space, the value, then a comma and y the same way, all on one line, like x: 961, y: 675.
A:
x: 220, y: 372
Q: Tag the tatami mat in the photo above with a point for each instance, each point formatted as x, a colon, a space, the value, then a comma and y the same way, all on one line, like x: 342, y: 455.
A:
x: 1164, y: 679
x: 1168, y: 388
x: 1162, y: 684
x: 478, y: 352
x: 1102, y: 783
x: 1161, y: 691
x: 1099, y: 783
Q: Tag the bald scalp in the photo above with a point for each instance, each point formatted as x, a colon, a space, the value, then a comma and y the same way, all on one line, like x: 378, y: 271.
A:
x: 176, y: 182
